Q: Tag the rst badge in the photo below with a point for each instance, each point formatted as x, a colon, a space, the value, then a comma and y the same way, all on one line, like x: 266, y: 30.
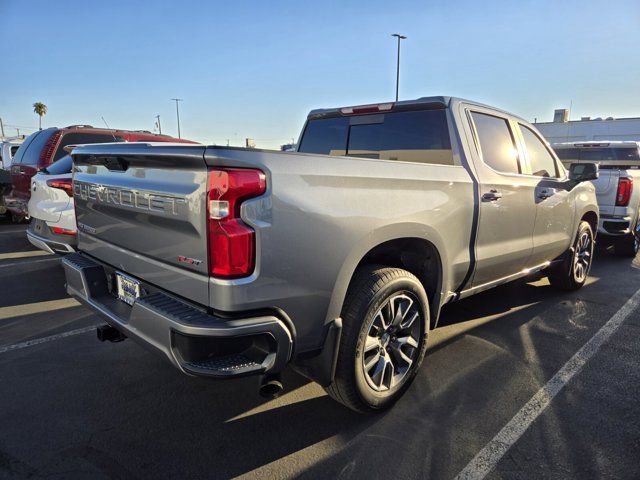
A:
x: 189, y: 260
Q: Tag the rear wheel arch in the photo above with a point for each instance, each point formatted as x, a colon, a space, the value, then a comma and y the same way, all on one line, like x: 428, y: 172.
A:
x: 416, y: 255
x: 592, y: 218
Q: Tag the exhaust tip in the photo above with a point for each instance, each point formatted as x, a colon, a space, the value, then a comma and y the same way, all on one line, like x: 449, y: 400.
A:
x: 270, y: 388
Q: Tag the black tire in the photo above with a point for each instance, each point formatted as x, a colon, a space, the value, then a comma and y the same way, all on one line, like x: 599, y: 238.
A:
x: 567, y: 275
x: 627, y: 246
x: 374, y: 288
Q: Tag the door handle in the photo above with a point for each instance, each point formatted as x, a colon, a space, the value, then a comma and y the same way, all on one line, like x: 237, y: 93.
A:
x: 544, y: 194
x: 491, y: 196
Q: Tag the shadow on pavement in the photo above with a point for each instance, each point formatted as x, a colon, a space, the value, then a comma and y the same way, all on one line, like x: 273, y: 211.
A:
x: 77, y: 407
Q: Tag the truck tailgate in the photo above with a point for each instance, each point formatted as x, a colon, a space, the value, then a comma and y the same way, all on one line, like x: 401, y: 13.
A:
x: 141, y: 209
x: 606, y: 186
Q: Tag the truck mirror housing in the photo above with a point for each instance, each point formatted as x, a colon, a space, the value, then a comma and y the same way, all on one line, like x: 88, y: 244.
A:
x: 583, y: 172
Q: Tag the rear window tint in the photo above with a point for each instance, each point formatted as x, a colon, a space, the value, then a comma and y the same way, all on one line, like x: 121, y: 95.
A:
x: 29, y: 151
x: 64, y: 165
x: 417, y: 136
x: 80, y: 138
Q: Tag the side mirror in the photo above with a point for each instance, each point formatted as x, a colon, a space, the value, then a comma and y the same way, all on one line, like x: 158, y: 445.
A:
x: 583, y: 172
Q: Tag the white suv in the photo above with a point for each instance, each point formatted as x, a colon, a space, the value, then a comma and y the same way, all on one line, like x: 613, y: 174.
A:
x: 51, y: 208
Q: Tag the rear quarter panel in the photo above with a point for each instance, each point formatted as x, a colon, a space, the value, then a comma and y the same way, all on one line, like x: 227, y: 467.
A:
x: 321, y: 215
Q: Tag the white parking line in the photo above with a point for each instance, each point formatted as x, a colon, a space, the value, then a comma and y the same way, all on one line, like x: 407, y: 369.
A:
x: 27, y: 254
x: 38, y: 341
x: 14, y: 264
x: 37, y: 307
x: 490, y: 455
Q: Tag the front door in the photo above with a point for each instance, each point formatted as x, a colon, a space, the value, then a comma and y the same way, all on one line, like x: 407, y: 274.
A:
x: 553, y: 229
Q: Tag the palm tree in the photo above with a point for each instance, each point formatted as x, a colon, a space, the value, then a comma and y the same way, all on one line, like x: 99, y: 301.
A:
x: 40, y: 109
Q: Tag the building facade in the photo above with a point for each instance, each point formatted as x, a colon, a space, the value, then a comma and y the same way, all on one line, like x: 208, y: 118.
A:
x: 564, y: 130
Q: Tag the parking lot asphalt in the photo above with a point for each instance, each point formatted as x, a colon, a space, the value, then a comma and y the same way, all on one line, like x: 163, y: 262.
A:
x: 71, y: 407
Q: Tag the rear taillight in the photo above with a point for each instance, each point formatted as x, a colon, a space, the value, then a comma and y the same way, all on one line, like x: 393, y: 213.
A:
x: 46, y: 155
x: 63, y: 231
x: 625, y: 186
x: 63, y: 184
x: 231, y: 243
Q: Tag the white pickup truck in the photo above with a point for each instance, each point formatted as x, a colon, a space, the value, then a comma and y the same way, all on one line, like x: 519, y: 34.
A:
x: 618, y: 200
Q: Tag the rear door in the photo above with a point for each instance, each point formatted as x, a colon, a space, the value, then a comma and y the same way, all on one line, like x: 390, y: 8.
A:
x: 507, y: 211
x: 142, y: 210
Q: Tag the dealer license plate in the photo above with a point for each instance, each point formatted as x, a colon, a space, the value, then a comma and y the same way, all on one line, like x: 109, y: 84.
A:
x: 128, y: 288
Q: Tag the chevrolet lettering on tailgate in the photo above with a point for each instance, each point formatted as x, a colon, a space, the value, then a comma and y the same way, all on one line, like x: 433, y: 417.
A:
x: 129, y: 198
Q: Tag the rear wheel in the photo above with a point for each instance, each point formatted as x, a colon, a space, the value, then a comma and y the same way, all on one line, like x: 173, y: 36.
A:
x: 385, y: 319
x: 572, y: 273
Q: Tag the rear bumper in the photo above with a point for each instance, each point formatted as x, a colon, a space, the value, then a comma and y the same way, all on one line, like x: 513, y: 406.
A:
x: 614, y: 226
x: 49, y: 245
x: 194, y: 341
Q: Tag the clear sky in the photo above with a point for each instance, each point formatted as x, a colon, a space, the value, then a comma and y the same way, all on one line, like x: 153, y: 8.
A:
x: 255, y: 68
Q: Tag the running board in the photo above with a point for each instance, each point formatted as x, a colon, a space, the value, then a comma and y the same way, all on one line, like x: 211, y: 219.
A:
x: 481, y: 288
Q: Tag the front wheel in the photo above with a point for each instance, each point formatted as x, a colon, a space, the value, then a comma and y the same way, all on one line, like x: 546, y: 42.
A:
x: 572, y: 273
x: 385, y: 322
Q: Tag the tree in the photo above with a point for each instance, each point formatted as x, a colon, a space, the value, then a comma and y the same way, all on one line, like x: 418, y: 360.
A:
x: 40, y: 109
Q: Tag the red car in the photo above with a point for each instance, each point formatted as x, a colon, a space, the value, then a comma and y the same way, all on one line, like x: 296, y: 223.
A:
x: 44, y: 147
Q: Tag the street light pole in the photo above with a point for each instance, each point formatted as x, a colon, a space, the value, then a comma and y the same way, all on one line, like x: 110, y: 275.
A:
x: 177, y: 113
x: 159, y: 126
x: 400, y: 37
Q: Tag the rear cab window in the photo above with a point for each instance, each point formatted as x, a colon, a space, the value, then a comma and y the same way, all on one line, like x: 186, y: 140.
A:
x: 600, y: 154
x: 419, y: 136
x: 80, y: 138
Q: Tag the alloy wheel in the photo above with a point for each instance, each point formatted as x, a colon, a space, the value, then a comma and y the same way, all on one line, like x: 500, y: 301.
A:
x: 582, y: 257
x: 392, y: 342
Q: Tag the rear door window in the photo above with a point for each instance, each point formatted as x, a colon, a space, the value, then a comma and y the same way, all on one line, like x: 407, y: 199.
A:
x: 420, y: 136
x: 542, y: 162
x: 80, y: 138
x: 496, y: 143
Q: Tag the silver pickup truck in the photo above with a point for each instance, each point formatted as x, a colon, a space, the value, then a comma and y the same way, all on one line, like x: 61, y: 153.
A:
x: 335, y: 259
x: 617, y: 189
